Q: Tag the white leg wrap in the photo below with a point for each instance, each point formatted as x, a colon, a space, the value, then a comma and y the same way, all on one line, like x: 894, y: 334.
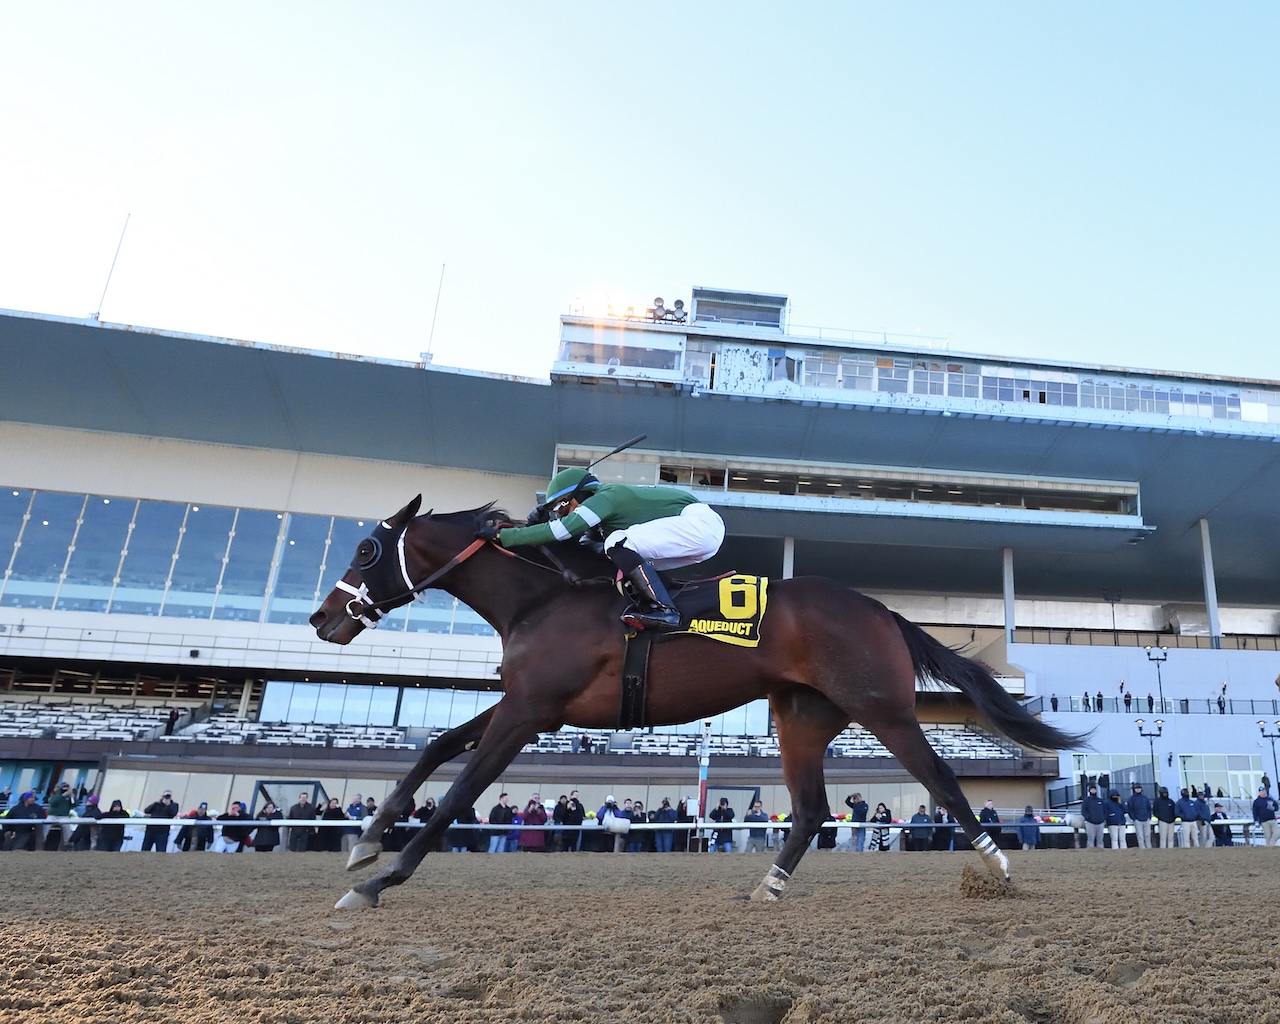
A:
x: 991, y: 853
x: 774, y: 882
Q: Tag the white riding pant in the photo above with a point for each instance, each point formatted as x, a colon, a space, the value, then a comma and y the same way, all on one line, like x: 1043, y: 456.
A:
x: 674, y: 541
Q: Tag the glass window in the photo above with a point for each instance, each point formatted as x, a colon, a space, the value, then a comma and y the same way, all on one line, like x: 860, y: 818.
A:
x: 413, y: 709
x: 200, y: 559
x: 382, y: 704
x: 296, y: 594
x: 91, y: 571
x: 433, y: 614
x: 14, y: 503
x: 439, y: 709
x: 302, y: 705
x: 42, y: 553
x: 355, y: 704
x: 275, y: 702
x: 244, y: 581
x: 343, y: 541
x: 329, y: 703
x: 148, y: 558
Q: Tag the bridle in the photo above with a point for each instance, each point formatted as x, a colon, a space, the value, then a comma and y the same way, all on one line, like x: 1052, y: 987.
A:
x: 369, y: 562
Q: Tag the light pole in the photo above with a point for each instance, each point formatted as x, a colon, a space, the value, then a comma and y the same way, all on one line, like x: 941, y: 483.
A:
x: 1151, y: 738
x: 1272, y: 736
x: 1159, y: 655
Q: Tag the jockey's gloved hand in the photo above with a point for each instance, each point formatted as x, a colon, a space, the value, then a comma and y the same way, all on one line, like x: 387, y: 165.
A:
x: 540, y: 514
x: 489, y: 532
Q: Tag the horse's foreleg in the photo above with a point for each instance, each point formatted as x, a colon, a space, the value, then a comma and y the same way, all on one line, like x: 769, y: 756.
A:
x: 443, y: 748
x: 906, y: 741
x: 807, y: 722
x: 498, y: 746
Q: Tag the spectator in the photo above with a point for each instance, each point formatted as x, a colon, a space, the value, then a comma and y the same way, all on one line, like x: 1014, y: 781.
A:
x: 23, y: 836
x: 267, y: 837
x: 1098, y: 698
x: 355, y: 811
x: 686, y: 813
x: 1115, y: 820
x: 1151, y: 704
x: 723, y: 837
x: 1128, y: 701
x: 1053, y: 701
x: 757, y: 838
x: 234, y: 836
x: 942, y: 836
x: 330, y: 839
x: 59, y: 806
x: 881, y: 817
x: 156, y: 837
x: 1088, y: 701
x: 1165, y: 811
x: 197, y: 835
x: 1028, y: 829
x: 1222, y: 704
x: 559, y: 838
x: 636, y: 837
x: 533, y: 840
x: 858, y: 809
x: 921, y: 830
x: 502, y: 814
x: 827, y: 834
x: 584, y: 744
x: 610, y: 807
x: 990, y: 819
x: 1204, y: 815
x: 424, y: 814
x: 574, y: 815
x: 1138, y: 807
x: 1094, y: 811
x: 1221, y: 833
x: 1185, y: 811
x: 82, y: 838
x: 1264, y: 816
x: 664, y: 838
x: 111, y: 836
x: 461, y: 840
x: 300, y: 835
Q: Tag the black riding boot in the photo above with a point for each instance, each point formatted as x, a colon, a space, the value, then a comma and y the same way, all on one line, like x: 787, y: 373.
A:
x: 654, y: 608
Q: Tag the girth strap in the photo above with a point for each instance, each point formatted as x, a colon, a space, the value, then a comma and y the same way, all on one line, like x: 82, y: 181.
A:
x: 635, y: 679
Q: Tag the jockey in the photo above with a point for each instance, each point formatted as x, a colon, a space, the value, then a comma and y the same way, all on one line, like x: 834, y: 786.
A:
x: 645, y: 529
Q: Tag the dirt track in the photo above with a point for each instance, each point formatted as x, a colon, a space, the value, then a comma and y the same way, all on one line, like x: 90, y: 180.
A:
x: 1160, y: 936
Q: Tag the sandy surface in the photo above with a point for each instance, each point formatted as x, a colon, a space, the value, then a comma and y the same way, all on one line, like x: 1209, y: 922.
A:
x: 1084, y: 936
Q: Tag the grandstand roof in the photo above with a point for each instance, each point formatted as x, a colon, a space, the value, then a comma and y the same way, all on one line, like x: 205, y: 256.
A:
x: 86, y: 375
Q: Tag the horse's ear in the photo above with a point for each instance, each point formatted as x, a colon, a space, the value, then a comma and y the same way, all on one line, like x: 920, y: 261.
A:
x: 408, y: 512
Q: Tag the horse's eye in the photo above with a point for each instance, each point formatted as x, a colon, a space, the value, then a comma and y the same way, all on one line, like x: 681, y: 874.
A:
x: 366, y: 553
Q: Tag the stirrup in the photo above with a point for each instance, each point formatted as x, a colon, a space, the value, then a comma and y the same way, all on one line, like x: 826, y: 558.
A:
x: 658, y: 617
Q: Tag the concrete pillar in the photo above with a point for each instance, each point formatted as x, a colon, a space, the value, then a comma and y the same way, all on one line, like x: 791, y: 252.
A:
x: 1009, y: 623
x: 1210, y: 585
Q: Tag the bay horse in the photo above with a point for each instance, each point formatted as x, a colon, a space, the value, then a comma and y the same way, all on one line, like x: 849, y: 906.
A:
x: 827, y: 656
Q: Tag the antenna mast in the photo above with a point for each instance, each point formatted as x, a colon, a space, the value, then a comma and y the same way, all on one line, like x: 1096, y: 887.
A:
x: 98, y: 312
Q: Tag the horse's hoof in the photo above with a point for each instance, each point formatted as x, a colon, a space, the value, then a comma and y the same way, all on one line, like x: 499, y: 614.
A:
x: 362, y: 854
x: 355, y: 901
x: 763, y: 894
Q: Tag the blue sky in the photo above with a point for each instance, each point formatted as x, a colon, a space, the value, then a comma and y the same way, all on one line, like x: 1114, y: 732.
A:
x: 1087, y: 182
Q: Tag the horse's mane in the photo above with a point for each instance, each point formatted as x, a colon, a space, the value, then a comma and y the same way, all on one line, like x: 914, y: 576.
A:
x: 581, y: 559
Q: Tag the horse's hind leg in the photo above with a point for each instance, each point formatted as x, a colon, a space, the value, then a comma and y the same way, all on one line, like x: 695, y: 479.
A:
x: 906, y: 741
x: 444, y: 747
x: 807, y: 722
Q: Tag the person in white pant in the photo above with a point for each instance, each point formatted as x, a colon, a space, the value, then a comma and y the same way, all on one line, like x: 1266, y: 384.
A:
x: 1138, y: 807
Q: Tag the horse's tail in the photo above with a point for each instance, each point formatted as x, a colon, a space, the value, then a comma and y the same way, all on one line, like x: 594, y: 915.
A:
x: 935, y: 660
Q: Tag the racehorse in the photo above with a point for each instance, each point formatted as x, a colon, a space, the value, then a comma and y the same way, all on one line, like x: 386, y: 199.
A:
x: 827, y: 656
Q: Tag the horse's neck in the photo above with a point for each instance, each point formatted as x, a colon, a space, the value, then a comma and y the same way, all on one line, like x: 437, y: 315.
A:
x: 500, y: 586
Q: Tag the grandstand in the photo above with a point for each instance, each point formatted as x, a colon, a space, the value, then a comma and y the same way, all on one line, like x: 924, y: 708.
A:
x: 1054, y: 520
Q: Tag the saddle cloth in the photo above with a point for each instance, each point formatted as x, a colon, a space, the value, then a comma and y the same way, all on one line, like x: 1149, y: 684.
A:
x: 729, y: 609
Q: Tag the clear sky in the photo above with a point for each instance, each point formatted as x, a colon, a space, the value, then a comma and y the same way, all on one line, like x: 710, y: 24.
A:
x: 1089, y: 182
